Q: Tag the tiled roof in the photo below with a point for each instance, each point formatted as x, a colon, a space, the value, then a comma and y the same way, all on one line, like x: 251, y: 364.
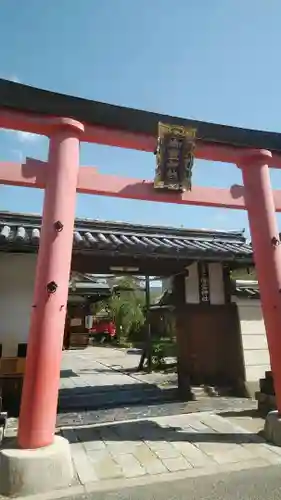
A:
x: 22, y: 231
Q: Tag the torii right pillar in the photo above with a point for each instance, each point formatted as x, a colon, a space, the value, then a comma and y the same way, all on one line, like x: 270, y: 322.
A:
x: 259, y: 202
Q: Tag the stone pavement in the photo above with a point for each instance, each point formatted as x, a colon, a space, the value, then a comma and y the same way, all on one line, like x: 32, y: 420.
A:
x: 120, y: 445
x: 253, y: 484
x: 152, y: 449
x: 101, y: 377
x: 107, y: 366
x: 101, y: 385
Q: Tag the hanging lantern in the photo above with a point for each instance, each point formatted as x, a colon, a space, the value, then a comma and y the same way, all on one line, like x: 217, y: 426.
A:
x: 174, y: 157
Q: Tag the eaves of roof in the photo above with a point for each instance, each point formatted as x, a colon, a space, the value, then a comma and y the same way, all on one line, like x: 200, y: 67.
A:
x: 22, y: 232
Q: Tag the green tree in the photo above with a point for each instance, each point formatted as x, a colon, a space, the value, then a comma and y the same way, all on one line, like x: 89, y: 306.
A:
x: 125, y: 307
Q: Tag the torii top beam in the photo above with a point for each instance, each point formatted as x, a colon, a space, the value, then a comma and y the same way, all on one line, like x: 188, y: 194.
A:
x: 26, y: 99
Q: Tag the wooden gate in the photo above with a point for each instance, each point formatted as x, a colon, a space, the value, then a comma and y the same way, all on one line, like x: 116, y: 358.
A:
x: 209, y: 344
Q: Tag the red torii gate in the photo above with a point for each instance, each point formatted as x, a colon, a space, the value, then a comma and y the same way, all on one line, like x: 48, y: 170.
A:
x: 61, y: 177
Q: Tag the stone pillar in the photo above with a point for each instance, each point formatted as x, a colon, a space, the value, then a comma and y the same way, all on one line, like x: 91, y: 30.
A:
x: 259, y: 202
x: 41, y: 382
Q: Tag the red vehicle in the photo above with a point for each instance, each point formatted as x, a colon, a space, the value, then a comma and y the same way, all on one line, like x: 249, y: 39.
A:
x: 103, y: 330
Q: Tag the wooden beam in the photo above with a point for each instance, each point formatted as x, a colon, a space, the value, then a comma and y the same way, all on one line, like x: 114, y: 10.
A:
x: 35, y: 124
x: 33, y: 173
x: 91, y: 182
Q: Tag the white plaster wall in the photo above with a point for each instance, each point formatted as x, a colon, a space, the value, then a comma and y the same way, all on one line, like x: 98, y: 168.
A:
x: 217, y: 290
x: 192, y: 285
x: 216, y: 284
x: 254, y: 341
x: 17, y: 273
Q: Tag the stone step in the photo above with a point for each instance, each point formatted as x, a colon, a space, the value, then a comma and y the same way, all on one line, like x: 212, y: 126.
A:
x: 93, y: 398
x: 107, y: 389
x: 266, y: 386
x: 92, y: 401
x: 266, y: 402
x: 144, y: 388
x: 262, y: 384
x: 262, y: 397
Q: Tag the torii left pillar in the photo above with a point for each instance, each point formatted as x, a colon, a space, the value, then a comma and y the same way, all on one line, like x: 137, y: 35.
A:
x: 41, y: 382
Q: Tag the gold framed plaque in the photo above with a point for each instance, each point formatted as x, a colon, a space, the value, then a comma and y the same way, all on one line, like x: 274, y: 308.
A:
x: 174, y: 157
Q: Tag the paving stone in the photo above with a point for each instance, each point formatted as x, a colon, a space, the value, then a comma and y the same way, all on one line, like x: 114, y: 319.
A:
x: 237, y: 434
x: 263, y: 451
x: 89, y: 438
x: 163, y: 449
x: 149, y: 461
x: 157, y: 445
x: 150, y: 431
x: 82, y: 464
x: 211, y: 446
x: 218, y: 424
x: 122, y: 447
x: 198, y: 426
x: 70, y: 435
x: 94, y: 445
x: 107, y: 433
x: 128, y: 432
x: 193, y: 455
x: 176, y: 464
x: 179, y: 420
x: 236, y: 454
x: 225, y: 451
x: 130, y: 466
x: 116, y: 452
x: 168, y: 453
x: 104, y: 465
x: 77, y: 447
x: 272, y: 447
x: 98, y: 455
x: 223, y: 426
x: 87, y: 434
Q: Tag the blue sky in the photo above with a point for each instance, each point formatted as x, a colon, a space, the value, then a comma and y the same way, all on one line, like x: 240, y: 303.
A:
x: 213, y: 60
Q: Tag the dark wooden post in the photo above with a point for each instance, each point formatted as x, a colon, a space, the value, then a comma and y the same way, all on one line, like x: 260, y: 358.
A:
x: 147, y: 350
x: 148, y: 326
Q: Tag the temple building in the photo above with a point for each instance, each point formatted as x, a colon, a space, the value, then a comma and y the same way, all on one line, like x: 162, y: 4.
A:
x: 219, y: 326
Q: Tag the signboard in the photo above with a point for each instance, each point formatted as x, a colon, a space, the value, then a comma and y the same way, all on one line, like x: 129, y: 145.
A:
x: 174, y: 157
x: 89, y: 321
x: 75, y: 322
x: 204, y: 283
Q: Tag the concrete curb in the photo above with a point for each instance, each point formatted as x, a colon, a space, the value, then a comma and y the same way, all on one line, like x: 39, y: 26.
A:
x: 118, y: 484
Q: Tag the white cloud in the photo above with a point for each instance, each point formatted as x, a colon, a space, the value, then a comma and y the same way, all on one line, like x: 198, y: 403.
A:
x: 22, y: 137
x: 26, y: 136
x: 221, y: 217
x: 14, y: 79
x: 18, y: 154
x: 11, y: 78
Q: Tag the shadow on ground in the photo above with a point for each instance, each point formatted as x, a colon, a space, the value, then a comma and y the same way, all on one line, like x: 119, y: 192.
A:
x: 111, y: 396
x: 147, y: 430
x: 119, y: 369
x: 243, y: 413
x: 68, y: 374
